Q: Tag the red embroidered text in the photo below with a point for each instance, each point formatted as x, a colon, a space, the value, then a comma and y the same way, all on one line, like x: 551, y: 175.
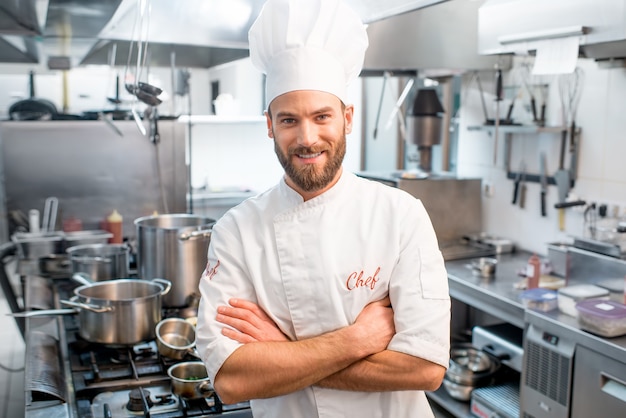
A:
x: 356, y: 280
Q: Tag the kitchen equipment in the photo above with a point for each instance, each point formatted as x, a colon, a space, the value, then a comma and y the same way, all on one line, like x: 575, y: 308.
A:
x: 568, y: 296
x: 539, y: 298
x: 85, y: 237
x: 119, y: 312
x: 424, y: 123
x: 469, y: 368
x: 498, y: 401
x: 190, y: 380
x: 616, y: 288
x: 50, y: 210
x: 176, y: 338
x: 33, y: 246
x: 544, y: 182
x: 503, y: 341
x: 100, y: 261
x: 484, y: 266
x: 173, y: 247
x: 602, y: 317
x: 32, y: 108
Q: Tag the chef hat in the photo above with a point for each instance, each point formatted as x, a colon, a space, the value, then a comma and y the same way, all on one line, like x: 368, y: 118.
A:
x: 308, y: 45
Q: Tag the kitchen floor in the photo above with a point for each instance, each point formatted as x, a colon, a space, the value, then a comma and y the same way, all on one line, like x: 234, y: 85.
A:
x: 11, y: 365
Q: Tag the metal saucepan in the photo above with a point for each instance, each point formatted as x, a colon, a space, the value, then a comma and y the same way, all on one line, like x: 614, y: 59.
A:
x: 176, y: 338
x: 470, y: 368
x: 100, y: 261
x: 484, y: 266
x: 115, y: 312
x: 190, y: 380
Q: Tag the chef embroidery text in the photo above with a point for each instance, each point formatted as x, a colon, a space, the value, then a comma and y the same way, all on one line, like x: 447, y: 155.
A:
x: 356, y: 280
x: 209, y: 272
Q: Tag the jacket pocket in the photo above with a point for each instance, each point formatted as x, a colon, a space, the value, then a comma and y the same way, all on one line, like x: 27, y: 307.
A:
x: 433, y: 275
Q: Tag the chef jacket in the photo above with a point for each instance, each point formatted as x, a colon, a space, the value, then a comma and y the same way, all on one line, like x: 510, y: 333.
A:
x: 313, y: 266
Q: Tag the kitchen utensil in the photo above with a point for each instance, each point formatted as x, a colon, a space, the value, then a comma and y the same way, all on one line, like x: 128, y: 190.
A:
x: 100, y: 261
x: 484, y: 266
x: 119, y: 312
x: 544, y: 183
x: 176, y: 338
x: 190, y: 380
x: 173, y: 247
x: 499, y: 97
x: 518, y: 179
x: 50, y: 214
x: 562, y: 180
x: 522, y: 189
x: 32, y: 108
x: 469, y: 368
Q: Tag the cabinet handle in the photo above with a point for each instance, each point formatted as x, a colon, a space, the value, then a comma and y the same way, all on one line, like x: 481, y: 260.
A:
x: 613, y: 386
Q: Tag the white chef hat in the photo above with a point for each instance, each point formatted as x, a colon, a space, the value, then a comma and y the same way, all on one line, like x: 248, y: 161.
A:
x: 307, y: 45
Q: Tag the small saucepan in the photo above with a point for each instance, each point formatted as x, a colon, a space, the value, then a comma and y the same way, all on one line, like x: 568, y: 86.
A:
x: 176, y: 338
x: 484, y: 266
x: 190, y: 380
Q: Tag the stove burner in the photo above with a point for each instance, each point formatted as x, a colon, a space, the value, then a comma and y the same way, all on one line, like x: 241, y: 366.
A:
x: 139, y: 400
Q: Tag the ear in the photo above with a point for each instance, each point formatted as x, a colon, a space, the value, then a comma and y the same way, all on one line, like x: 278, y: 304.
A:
x: 268, y: 120
x: 349, y: 117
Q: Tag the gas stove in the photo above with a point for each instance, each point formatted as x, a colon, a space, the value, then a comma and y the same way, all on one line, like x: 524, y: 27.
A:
x: 120, y: 381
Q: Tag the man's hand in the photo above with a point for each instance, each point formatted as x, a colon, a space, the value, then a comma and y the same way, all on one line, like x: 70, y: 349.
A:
x: 376, y: 320
x: 248, y: 323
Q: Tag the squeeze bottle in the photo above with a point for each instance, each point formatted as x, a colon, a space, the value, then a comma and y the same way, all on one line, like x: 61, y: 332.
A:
x: 114, y: 225
x: 533, y: 271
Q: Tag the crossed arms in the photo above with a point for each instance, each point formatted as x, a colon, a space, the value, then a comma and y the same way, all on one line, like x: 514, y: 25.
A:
x: 350, y: 358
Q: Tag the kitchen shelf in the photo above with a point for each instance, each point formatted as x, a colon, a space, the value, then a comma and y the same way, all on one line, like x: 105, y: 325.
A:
x: 458, y: 409
x: 509, y: 130
x: 214, y: 119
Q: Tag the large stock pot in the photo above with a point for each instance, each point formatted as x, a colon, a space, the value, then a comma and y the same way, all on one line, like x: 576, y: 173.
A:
x: 174, y: 247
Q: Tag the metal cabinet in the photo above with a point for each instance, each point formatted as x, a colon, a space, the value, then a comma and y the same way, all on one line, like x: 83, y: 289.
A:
x: 599, y: 386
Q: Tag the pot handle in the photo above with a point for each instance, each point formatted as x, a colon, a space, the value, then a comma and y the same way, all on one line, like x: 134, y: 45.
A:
x: 167, y: 285
x: 92, y: 308
x: 205, y: 387
x: 82, y: 278
x: 201, y: 233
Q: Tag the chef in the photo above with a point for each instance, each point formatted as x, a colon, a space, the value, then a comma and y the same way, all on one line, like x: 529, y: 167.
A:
x: 326, y: 295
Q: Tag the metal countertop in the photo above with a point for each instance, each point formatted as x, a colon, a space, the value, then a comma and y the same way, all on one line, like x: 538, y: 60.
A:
x: 498, y: 297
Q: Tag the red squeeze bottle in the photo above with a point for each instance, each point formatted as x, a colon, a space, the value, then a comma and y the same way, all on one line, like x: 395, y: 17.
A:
x: 114, y: 226
x: 533, y: 271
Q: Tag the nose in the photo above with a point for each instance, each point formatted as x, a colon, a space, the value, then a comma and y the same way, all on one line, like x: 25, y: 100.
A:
x: 307, y: 134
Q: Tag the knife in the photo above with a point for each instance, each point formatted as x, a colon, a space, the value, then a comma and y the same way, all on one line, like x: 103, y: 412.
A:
x: 544, y: 183
x: 518, y: 179
x: 522, y: 189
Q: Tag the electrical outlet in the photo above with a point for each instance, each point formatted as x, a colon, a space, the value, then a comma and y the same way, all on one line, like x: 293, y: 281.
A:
x: 488, y: 189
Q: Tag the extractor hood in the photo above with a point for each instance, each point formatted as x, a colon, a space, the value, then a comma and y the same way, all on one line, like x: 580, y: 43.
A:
x: 439, y: 40
x: 511, y: 26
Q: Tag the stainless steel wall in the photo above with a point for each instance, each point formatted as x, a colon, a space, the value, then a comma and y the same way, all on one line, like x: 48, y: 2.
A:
x: 92, y: 170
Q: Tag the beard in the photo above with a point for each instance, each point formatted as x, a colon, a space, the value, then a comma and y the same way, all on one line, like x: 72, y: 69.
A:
x: 310, y: 177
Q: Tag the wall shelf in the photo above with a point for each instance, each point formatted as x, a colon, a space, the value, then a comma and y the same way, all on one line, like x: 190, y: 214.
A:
x: 510, y: 130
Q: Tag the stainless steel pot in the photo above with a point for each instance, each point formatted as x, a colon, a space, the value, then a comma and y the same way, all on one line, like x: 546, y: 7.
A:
x: 174, y: 247
x: 190, y: 380
x: 470, y: 368
x: 176, y: 338
x: 100, y: 261
x: 119, y: 312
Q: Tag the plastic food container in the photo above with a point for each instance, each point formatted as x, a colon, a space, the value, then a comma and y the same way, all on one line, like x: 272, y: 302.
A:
x: 616, y: 288
x: 603, y: 317
x: 540, y: 299
x: 570, y: 295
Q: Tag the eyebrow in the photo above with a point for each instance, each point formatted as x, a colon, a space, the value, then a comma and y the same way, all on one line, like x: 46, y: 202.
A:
x: 325, y: 109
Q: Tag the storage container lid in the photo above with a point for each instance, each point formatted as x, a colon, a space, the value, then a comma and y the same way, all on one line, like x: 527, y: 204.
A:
x: 614, y: 285
x: 583, y: 291
x: 602, y: 308
x: 539, y: 294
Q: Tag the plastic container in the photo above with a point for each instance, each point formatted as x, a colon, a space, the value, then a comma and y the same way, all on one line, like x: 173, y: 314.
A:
x: 570, y: 295
x: 606, y: 318
x: 541, y: 299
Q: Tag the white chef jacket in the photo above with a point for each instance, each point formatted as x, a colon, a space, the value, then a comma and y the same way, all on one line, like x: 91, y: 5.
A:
x: 313, y: 266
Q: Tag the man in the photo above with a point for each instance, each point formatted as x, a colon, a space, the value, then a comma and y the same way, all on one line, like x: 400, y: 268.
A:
x: 325, y: 296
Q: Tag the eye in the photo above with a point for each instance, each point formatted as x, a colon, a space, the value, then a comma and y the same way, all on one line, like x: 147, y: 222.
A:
x: 288, y: 121
x: 323, y: 116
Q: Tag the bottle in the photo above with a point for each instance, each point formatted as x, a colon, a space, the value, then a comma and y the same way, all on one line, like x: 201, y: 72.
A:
x: 533, y: 271
x: 114, y: 226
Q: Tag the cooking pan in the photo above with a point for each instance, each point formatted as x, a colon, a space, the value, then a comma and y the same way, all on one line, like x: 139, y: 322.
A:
x: 32, y: 108
x: 190, y: 380
x: 176, y: 338
x: 115, y: 312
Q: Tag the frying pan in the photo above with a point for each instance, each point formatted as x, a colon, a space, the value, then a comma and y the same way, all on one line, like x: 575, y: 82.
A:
x: 32, y: 108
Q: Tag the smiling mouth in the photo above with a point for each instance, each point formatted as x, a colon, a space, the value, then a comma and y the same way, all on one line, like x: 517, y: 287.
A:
x: 306, y: 156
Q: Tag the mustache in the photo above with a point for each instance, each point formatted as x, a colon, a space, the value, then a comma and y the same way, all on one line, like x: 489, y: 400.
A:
x: 299, y: 150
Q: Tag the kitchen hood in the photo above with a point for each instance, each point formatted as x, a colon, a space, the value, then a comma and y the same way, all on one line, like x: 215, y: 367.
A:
x: 512, y: 26
x: 440, y: 40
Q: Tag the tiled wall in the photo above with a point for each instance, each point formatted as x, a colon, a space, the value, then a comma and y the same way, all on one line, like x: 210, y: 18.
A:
x: 601, y: 163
